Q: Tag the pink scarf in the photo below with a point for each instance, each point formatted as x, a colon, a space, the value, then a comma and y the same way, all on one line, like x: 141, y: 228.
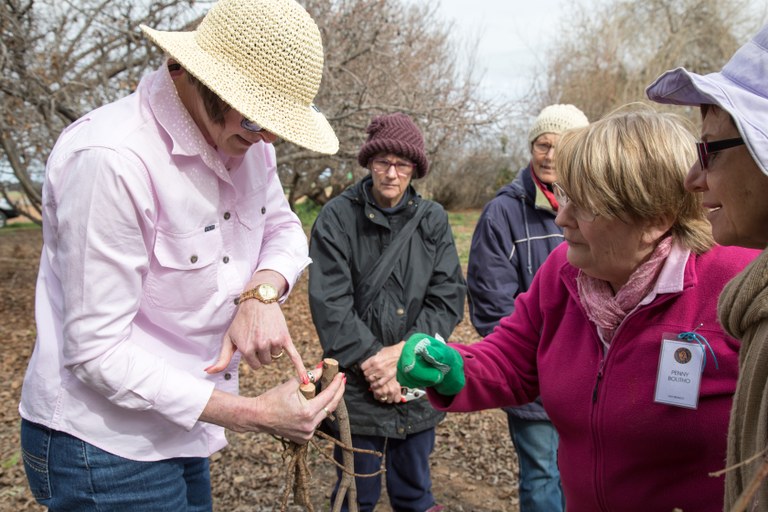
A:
x: 607, y: 310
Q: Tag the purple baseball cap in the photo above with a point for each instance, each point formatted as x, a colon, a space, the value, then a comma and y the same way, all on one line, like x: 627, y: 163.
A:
x: 741, y: 89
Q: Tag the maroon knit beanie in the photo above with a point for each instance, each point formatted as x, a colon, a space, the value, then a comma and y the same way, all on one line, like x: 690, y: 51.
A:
x: 396, y: 134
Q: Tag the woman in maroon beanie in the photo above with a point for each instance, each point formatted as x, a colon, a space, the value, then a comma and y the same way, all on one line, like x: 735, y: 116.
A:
x: 384, y: 267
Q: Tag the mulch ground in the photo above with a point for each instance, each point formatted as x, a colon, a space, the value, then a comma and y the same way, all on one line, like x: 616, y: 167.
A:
x: 473, y: 466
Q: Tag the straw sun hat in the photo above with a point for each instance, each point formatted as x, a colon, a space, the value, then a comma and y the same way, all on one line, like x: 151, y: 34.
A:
x: 265, y: 59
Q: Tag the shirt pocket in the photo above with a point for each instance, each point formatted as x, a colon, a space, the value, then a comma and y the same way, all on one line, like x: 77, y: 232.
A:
x: 252, y: 215
x: 183, y: 272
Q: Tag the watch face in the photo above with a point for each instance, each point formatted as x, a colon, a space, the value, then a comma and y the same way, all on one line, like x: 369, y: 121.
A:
x: 267, y: 291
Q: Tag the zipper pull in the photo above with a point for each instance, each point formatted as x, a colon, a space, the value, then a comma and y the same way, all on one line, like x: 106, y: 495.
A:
x: 597, y: 381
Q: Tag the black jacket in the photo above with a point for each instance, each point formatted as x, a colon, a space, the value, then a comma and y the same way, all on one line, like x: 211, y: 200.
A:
x: 424, y: 293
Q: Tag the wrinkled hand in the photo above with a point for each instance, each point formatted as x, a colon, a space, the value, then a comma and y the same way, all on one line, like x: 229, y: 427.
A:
x: 282, y: 411
x: 428, y: 362
x: 380, y: 371
x: 260, y: 333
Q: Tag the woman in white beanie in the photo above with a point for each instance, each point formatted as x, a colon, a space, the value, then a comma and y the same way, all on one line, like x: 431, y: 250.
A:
x: 168, y: 247
x: 514, y: 235
x: 732, y: 175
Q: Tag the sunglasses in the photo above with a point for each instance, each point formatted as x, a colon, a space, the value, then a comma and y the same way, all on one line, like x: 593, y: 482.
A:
x: 707, y: 148
x: 251, y: 126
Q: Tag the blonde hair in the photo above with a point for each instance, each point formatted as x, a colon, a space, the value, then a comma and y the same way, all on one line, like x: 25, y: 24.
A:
x: 632, y: 165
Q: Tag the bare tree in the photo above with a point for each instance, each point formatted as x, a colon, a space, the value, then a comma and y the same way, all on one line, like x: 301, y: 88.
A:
x: 62, y: 58
x: 607, y: 55
x: 384, y: 56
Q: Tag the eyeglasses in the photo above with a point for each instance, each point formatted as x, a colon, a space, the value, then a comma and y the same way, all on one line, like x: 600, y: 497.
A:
x: 578, y: 212
x: 381, y: 166
x: 251, y: 126
x: 543, y: 148
x: 707, y: 148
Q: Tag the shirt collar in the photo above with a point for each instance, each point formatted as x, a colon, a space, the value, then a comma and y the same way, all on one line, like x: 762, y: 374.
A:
x: 186, y: 138
x: 672, y: 276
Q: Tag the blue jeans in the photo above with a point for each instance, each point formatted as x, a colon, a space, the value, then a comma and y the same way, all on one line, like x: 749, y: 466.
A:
x: 67, y: 474
x: 536, y: 446
x: 409, y: 484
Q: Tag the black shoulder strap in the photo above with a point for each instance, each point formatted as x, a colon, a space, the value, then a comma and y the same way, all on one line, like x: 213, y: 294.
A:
x: 367, y: 289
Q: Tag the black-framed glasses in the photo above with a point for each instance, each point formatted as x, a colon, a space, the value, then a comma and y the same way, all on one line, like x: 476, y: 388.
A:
x: 563, y: 200
x: 704, y: 149
x: 382, y: 165
x: 251, y: 126
x: 543, y: 148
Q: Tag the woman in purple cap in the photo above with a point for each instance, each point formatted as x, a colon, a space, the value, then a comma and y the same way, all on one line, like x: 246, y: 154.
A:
x: 384, y: 265
x: 732, y: 174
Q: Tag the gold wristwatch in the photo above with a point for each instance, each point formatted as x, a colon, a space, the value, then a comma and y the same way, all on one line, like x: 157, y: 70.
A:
x: 264, y: 292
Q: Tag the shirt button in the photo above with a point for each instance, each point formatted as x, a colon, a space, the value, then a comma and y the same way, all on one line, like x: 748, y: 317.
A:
x: 400, y: 311
x: 400, y: 430
x: 227, y: 215
x: 227, y: 376
x: 193, y: 259
x: 263, y: 210
x: 226, y: 259
x: 370, y: 215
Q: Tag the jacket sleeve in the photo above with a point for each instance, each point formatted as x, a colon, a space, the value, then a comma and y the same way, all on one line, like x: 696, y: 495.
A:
x: 502, y: 369
x: 443, y: 305
x: 343, y: 334
x: 492, y: 273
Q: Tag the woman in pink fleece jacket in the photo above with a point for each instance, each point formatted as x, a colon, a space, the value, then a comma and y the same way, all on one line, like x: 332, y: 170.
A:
x: 618, y: 332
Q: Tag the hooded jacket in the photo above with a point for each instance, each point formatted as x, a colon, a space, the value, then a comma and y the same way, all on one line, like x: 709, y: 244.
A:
x: 619, y: 449
x: 512, y: 238
x: 424, y: 293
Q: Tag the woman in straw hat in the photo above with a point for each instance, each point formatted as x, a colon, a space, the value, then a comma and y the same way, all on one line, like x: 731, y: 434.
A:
x: 168, y: 247
x: 732, y: 175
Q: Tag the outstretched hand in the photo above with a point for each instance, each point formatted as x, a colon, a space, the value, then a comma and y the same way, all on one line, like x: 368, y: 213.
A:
x: 429, y: 362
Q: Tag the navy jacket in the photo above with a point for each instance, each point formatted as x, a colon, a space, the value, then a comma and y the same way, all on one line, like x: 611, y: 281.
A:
x: 514, y: 235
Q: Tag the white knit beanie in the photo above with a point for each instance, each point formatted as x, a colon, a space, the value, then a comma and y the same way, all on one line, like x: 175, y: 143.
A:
x: 557, y: 119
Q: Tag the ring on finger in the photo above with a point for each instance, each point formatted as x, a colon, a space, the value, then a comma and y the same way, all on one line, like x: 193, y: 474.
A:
x: 383, y: 398
x: 327, y: 412
x: 277, y: 356
x: 311, y: 378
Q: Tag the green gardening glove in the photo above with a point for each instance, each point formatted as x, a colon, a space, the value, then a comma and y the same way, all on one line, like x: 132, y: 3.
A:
x: 429, y: 362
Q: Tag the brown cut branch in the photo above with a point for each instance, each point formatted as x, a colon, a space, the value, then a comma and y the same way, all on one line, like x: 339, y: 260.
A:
x: 347, y: 483
x: 746, y: 497
x: 297, y: 474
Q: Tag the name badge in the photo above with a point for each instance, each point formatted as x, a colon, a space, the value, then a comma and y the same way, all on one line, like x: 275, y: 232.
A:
x: 681, y: 365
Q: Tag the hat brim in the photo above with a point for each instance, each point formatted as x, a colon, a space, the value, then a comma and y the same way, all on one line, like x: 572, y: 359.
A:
x: 748, y: 109
x: 279, y: 114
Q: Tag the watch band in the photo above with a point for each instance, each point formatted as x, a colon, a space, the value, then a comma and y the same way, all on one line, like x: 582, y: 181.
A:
x: 255, y: 293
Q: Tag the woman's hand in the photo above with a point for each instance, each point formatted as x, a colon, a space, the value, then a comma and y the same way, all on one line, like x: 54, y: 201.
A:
x: 380, y: 371
x: 259, y: 331
x: 282, y: 411
x: 429, y: 362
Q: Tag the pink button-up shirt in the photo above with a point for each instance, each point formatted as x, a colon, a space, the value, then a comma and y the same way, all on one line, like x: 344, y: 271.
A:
x: 149, y: 235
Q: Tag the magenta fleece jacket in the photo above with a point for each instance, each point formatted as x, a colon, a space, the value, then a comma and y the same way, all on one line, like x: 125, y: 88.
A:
x: 619, y: 450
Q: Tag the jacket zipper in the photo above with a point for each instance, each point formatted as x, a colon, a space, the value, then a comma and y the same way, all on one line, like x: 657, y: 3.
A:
x: 597, y: 381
